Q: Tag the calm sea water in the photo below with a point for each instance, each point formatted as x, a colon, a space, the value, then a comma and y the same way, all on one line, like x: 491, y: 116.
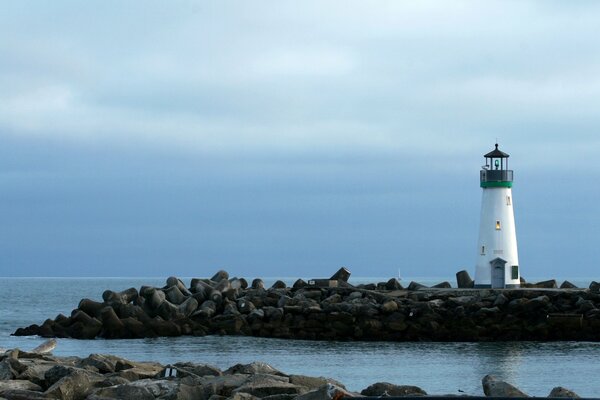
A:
x: 439, y: 368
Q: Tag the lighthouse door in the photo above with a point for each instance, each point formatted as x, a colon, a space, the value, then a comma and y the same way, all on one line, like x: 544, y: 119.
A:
x: 498, y: 281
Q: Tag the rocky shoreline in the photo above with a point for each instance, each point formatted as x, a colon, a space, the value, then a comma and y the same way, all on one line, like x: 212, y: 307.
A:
x: 332, y: 309
x: 33, y: 375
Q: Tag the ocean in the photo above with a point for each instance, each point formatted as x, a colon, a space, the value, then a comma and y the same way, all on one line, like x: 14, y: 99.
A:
x: 438, y: 368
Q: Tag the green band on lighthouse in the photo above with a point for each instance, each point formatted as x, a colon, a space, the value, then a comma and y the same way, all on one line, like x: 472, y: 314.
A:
x: 493, y: 184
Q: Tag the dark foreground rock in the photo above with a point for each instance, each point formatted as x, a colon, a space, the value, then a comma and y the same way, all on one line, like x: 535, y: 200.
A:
x: 104, y: 377
x: 332, y: 309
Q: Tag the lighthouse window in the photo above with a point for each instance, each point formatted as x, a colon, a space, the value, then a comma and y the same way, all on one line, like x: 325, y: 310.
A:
x: 508, y: 201
x: 515, y: 272
x: 483, y: 250
x: 498, y: 225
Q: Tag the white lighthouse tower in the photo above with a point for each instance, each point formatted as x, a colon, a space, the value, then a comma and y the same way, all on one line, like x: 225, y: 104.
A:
x: 497, y: 259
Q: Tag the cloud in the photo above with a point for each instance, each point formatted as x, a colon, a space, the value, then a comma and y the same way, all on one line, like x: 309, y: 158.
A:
x: 219, y: 77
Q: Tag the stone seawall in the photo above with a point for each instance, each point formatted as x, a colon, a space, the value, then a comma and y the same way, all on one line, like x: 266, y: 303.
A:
x: 332, y: 310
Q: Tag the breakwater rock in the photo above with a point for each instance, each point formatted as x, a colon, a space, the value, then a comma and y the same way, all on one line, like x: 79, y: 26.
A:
x: 31, y: 375
x: 332, y: 309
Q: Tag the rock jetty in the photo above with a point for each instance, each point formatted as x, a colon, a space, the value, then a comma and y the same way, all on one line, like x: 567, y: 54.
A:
x: 31, y: 375
x: 332, y: 309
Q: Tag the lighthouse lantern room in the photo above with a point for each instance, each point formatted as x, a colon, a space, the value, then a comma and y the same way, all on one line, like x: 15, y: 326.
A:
x: 497, y: 259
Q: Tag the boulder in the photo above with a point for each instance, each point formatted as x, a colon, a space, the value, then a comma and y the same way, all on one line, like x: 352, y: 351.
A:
x: 257, y: 284
x: 174, y: 281
x: 245, y: 306
x: 112, y: 326
x: 23, y: 394
x: 124, y: 297
x: 9, y: 369
x: 279, y: 285
x: 299, y: 284
x: 222, y: 385
x: 188, y: 368
x: 463, y: 280
x: 77, y: 384
x: 254, y: 368
x: 385, y: 389
x: 325, y: 392
x: 494, y: 387
x: 595, y: 286
x: 311, y: 382
x: 262, y: 386
x: 563, y: 392
x: 133, y: 370
x: 36, y: 372
x: 122, y: 392
x: 415, y: 286
x: 442, y: 285
x: 84, y: 326
x: 219, y: 276
x: 174, y: 295
x: 18, y: 384
x: 342, y: 274
x: 393, y: 284
x: 549, y: 284
x: 103, y: 363
x: 500, y: 300
x: 567, y: 285
x: 389, y: 307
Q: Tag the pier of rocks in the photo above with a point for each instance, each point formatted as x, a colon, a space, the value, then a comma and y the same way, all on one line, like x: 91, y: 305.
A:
x: 333, y: 309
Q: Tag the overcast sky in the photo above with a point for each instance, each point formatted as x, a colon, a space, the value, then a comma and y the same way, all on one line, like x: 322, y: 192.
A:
x: 284, y: 138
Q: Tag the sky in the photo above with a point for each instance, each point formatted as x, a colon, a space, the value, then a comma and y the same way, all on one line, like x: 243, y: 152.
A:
x: 284, y: 138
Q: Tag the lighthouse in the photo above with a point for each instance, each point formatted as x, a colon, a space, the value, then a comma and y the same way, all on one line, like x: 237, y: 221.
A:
x: 497, y: 257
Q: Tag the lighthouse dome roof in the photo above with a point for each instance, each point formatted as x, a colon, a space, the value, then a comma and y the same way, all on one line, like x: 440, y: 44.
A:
x: 496, y: 153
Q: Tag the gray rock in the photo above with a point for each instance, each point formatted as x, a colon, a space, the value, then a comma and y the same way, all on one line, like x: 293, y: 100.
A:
x: 23, y: 394
x: 389, y: 389
x: 253, y: 369
x: 133, y: 371
x: 312, y: 383
x: 492, y: 386
x: 268, y: 386
x: 18, y: 384
x: 442, y: 285
x: 342, y: 274
x: 219, y: 276
x: 500, y: 300
x: 78, y: 384
x: 280, y: 397
x: 389, y: 307
x: 187, y: 368
x: 563, y: 392
x: 122, y: 392
x: 415, y: 286
x: 299, y: 284
x: 463, y: 280
x: 567, y: 285
x: 279, y: 285
x: 36, y: 373
x: 7, y: 371
x: 257, y: 284
x: 103, y: 363
x: 325, y: 392
x: 549, y: 284
x: 242, y: 396
x: 222, y: 385
x: 393, y: 284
